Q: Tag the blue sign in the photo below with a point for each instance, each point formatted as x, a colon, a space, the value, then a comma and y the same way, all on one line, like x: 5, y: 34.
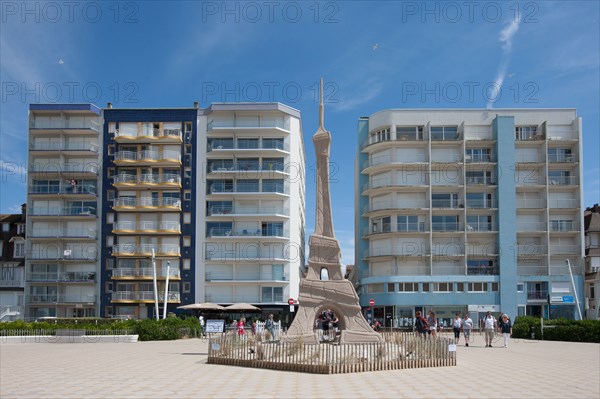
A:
x: 568, y: 299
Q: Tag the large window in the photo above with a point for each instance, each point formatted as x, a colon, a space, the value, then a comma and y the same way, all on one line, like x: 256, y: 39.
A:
x: 443, y: 287
x: 479, y: 177
x: 409, y: 223
x: 481, y: 267
x: 479, y: 223
x: 526, y: 132
x: 276, y: 143
x: 444, y: 200
x: 559, y: 177
x: 559, y: 155
x: 478, y: 155
x: 273, y: 186
x: 444, y: 223
x: 408, y: 287
x: 272, y: 294
x: 247, y: 144
x: 444, y: 133
x: 409, y: 132
x: 479, y: 200
x: 477, y: 287
x: 19, y: 249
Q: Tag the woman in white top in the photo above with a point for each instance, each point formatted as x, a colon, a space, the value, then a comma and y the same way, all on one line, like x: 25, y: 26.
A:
x: 431, y: 320
x: 467, y: 326
x: 456, y: 325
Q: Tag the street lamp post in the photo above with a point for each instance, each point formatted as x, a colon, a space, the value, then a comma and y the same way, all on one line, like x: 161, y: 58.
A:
x: 155, y: 284
x: 166, y: 289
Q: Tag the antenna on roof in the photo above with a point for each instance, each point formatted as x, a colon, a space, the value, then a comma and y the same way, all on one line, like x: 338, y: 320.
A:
x: 321, y: 107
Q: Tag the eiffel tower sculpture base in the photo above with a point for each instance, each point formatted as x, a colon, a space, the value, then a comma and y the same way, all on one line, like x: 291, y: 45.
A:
x: 336, y: 293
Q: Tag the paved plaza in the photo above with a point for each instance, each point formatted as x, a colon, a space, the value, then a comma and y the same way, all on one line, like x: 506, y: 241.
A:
x: 178, y: 369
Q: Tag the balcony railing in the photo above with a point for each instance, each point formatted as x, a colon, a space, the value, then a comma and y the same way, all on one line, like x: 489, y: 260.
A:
x: 147, y: 202
x: 62, y: 276
x: 148, y: 155
x: 481, y: 203
x: 482, y: 270
x: 147, y: 225
x: 156, y: 133
x: 260, y: 146
x: 443, y: 203
x: 562, y: 180
x: 147, y: 179
x: 64, y: 124
x: 537, y: 295
x: 172, y: 296
x: 11, y: 283
x: 476, y: 180
x: 60, y: 298
x: 58, y: 189
x: 447, y: 226
x: 406, y: 250
x: 386, y: 205
x: 241, y: 188
x: 64, y: 168
x: 227, y: 232
x: 230, y: 123
x: 64, y: 255
x: 245, y: 276
x: 530, y: 158
x: 56, y: 211
x: 249, y: 167
x: 561, y: 158
x: 563, y: 225
x: 531, y: 226
x: 448, y: 158
x: 65, y: 146
x: 60, y: 232
x: 525, y: 250
x: 249, y: 255
x: 232, y: 211
x: 478, y: 158
x: 564, y: 249
x: 530, y: 203
x: 161, y: 272
x: 481, y: 226
x: 145, y: 249
x: 563, y: 203
x: 238, y: 298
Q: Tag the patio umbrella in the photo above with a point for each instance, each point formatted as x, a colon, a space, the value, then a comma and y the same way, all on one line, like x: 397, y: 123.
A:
x: 242, y: 307
x: 202, y: 306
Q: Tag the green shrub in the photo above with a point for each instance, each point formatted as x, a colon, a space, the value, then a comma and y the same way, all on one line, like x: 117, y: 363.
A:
x: 559, y: 329
x: 522, y: 327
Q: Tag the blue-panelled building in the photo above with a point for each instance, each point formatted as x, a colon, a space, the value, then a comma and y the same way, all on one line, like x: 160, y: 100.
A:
x: 469, y: 211
x: 148, y: 210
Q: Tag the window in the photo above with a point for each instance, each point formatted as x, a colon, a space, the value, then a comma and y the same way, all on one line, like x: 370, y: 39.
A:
x: 409, y: 132
x: 219, y: 207
x: 425, y: 287
x: 444, y: 133
x: 444, y: 223
x: 276, y: 143
x: 559, y: 177
x: 390, y: 287
x: 375, y: 288
x: 479, y: 200
x: 186, y: 264
x: 443, y: 287
x: 479, y: 177
x: 1, y: 247
x: 381, y: 225
x: 495, y: 287
x: 562, y: 225
x: 187, y: 217
x: 272, y: 294
x: 187, y: 195
x: 186, y: 287
x: 324, y: 274
x: 444, y: 200
x: 20, y: 228
x: 477, y: 287
x: 380, y: 135
x: 477, y: 155
x: 479, y: 223
x: 110, y: 263
x: 272, y: 229
x: 526, y: 132
x: 19, y: 249
x: 247, y: 186
x: 408, y: 287
x: 273, y: 186
x: 409, y: 223
x: 108, y: 287
x: 187, y: 241
x: 246, y: 144
x: 480, y: 267
x: 559, y: 155
x: 5, y: 227
x: 460, y: 287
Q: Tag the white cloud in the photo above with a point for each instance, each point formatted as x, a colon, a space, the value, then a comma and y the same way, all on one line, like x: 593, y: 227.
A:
x: 506, y: 39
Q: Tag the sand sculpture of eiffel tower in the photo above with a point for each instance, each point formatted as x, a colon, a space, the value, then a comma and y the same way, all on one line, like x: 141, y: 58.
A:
x: 324, y: 286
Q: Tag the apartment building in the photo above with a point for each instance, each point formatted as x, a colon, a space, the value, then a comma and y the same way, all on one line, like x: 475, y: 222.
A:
x: 592, y: 261
x: 462, y: 210
x: 148, y: 211
x: 12, y: 265
x: 61, y: 260
x: 251, y: 198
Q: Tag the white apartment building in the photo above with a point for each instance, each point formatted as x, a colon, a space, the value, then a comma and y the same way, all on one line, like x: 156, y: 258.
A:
x: 250, y: 196
x: 62, y: 211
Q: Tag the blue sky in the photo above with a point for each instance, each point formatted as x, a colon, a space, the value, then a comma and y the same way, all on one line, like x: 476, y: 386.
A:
x: 372, y: 55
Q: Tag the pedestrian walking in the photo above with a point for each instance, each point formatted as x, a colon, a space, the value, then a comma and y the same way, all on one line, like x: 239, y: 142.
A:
x: 467, y: 326
x: 201, y: 320
x: 270, y: 326
x: 456, y: 326
x: 421, y: 326
x: 506, y: 329
x: 431, y: 320
x: 489, y: 327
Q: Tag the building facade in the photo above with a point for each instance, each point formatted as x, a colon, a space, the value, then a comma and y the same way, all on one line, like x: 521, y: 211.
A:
x: 211, y: 200
x: 251, y: 198
x: 469, y: 211
x: 592, y: 261
x: 63, y: 185
x: 12, y: 265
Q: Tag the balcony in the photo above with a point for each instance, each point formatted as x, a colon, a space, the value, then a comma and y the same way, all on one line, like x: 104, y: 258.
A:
x: 563, y: 226
x: 77, y: 146
x: 43, y: 189
x: 147, y: 180
x: 256, y: 167
x: 232, y: 211
x: 446, y: 203
x: 244, y: 276
x: 262, y: 146
x: 84, y: 211
x: 56, y: 254
x: 531, y: 179
x: 146, y: 227
x: 147, y: 157
x: 448, y: 158
x: 531, y: 250
x: 227, y: 232
x: 563, y: 203
x: 530, y: 158
x: 535, y: 203
x: 480, y: 180
x: 238, y: 298
x: 561, y: 158
x: 407, y: 250
x: 61, y: 232
x: 388, y: 205
x: 66, y: 277
x: 563, y: 180
x: 447, y: 226
x: 60, y: 298
x: 144, y: 296
x: 441, y: 250
x: 249, y: 254
x: 70, y: 169
x: 145, y: 250
x: 418, y: 227
x: 242, y: 188
x: 474, y: 227
x: 479, y: 158
x: 151, y: 135
x: 485, y: 270
x: 564, y: 249
x: 132, y: 273
x: 12, y: 283
x: 224, y: 124
x: 531, y: 226
x: 148, y: 203
x: 537, y: 295
x: 65, y: 124
x: 481, y: 203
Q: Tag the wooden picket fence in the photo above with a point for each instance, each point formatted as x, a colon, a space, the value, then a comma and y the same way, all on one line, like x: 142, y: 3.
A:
x: 401, y: 350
